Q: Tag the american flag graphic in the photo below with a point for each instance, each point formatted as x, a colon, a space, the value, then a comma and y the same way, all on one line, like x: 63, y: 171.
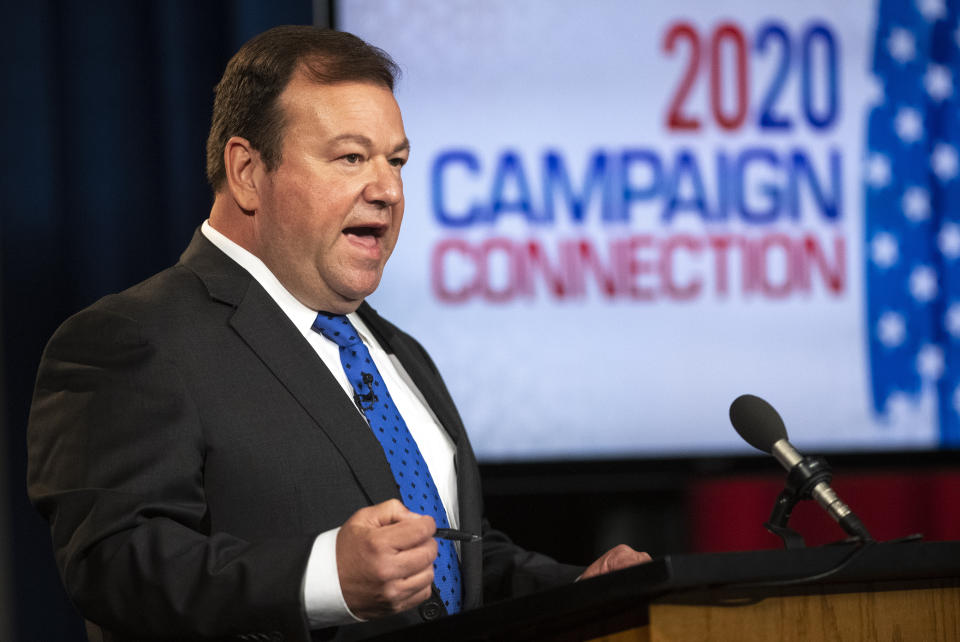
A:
x: 912, y: 200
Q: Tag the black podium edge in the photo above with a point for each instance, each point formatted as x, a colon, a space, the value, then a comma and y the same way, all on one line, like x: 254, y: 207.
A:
x: 551, y: 613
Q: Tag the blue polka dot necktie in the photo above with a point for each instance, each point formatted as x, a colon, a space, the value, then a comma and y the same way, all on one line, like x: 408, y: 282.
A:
x: 410, y: 471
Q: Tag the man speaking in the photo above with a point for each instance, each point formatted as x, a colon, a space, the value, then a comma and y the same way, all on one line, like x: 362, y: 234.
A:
x: 240, y: 446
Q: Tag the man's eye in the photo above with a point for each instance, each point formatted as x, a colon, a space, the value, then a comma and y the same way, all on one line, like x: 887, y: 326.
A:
x: 352, y: 158
x: 398, y: 162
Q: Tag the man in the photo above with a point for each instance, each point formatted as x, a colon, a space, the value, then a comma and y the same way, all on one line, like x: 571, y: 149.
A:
x: 210, y: 461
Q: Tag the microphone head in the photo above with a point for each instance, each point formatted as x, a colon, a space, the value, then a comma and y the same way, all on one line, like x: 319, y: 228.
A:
x: 757, y: 422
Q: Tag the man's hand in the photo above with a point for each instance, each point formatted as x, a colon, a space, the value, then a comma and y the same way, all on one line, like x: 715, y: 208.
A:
x: 385, y: 559
x: 615, y: 559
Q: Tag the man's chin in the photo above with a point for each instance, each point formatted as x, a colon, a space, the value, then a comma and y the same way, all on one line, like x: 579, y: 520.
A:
x: 340, y: 292
x: 348, y: 299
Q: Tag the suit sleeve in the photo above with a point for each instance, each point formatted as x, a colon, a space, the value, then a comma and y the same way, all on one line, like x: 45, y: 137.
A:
x: 511, y: 571
x: 116, y: 463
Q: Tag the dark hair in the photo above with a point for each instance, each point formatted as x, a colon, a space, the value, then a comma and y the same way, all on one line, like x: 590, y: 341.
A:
x: 245, y: 102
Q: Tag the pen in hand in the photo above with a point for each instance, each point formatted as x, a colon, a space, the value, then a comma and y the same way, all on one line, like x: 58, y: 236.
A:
x: 454, y: 534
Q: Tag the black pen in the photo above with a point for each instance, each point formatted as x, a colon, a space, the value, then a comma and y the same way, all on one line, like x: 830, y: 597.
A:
x: 454, y: 534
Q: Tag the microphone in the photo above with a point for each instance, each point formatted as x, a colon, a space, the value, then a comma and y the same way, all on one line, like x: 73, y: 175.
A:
x: 760, y: 425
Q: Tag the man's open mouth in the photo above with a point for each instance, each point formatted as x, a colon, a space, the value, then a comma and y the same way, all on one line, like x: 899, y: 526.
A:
x: 367, y: 236
x: 375, y: 231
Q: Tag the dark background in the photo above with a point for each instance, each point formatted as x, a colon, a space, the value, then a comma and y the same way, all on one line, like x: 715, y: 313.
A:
x: 105, y: 113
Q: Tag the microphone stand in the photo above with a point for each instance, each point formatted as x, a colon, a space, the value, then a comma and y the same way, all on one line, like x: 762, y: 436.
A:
x: 801, y: 480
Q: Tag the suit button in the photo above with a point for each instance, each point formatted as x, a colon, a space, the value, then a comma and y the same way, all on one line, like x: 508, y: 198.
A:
x: 431, y: 610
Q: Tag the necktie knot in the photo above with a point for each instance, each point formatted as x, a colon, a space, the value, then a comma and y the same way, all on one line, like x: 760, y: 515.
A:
x: 337, y: 328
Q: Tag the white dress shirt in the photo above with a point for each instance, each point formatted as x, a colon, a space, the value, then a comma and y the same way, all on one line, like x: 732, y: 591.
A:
x: 322, y: 596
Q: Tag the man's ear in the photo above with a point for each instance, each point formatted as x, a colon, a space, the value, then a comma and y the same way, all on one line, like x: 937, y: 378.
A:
x: 243, y: 166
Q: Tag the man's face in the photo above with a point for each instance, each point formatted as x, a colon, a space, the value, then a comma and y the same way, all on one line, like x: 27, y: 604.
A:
x: 329, y: 214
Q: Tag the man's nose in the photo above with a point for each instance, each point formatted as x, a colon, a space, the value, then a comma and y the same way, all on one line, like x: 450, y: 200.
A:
x: 385, y: 186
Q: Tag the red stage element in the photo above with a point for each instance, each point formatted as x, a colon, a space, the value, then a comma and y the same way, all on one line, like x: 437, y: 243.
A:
x: 728, y: 514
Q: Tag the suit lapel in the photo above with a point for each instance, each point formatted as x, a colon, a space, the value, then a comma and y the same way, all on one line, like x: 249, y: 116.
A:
x: 281, y: 347
x: 422, y: 375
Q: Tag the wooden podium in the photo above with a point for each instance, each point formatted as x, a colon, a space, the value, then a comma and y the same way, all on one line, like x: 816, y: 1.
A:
x: 895, y: 591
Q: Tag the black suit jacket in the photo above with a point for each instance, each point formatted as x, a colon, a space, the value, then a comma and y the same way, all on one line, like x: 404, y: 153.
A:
x: 187, y: 445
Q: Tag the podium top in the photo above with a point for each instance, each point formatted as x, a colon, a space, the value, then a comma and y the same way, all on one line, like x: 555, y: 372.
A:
x: 534, y: 616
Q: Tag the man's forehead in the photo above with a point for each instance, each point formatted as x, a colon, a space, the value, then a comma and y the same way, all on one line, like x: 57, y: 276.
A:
x: 344, y: 111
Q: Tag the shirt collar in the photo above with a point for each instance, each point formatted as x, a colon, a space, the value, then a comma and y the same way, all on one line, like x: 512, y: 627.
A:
x: 301, y: 315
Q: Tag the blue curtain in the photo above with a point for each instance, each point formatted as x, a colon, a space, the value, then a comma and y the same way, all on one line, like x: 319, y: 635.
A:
x: 105, y: 113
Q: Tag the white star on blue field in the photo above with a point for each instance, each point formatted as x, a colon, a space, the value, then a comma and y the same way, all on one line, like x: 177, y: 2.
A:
x: 911, y: 176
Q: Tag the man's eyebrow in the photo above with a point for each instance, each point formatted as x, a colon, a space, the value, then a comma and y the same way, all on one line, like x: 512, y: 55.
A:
x: 360, y: 139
